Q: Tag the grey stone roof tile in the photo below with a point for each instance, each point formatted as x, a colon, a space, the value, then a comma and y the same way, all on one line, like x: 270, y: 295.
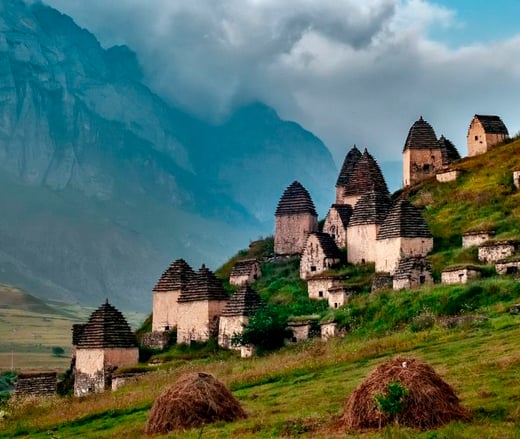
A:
x: 176, y: 277
x: 204, y: 286
x: 366, y: 177
x: 492, y: 124
x: 371, y: 208
x: 421, y: 136
x: 245, y: 302
x: 349, y: 164
x: 295, y: 200
x: 404, y: 220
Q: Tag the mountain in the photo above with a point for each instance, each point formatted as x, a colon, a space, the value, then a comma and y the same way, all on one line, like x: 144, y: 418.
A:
x: 104, y: 182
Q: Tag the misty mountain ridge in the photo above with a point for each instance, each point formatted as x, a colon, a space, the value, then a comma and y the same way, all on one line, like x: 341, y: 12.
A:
x: 104, y: 183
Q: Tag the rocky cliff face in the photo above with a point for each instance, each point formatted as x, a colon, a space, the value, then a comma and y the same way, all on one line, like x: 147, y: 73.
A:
x: 104, y: 182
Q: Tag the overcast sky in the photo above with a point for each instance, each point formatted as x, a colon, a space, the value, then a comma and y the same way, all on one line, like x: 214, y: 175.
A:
x: 351, y: 71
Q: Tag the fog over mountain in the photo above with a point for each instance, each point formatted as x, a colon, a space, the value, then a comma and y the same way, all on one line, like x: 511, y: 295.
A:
x: 104, y: 182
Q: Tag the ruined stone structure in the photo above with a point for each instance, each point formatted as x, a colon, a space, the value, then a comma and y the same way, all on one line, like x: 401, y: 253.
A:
x: 166, y: 293
x: 470, y: 239
x: 295, y: 218
x: 338, y: 296
x: 448, y: 174
x: 412, y: 272
x: 200, y: 306
x: 235, y: 315
x: 381, y: 281
x: 423, y: 155
x: 366, y: 178
x: 404, y: 233
x: 484, y: 132
x: 460, y: 274
x: 336, y: 223
x: 36, y: 384
x: 509, y: 266
x: 329, y: 330
x: 367, y: 218
x: 106, y: 343
x: 156, y: 340
x: 345, y: 174
x: 494, y: 251
x: 320, y: 254
x: 245, y: 272
x: 318, y: 286
x: 303, y: 329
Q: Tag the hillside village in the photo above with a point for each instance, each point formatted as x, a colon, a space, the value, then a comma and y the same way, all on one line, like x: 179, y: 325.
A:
x: 364, y: 226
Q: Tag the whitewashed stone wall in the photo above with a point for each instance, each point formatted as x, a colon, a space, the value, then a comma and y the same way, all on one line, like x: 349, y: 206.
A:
x: 509, y: 267
x: 448, y: 175
x: 246, y: 279
x: 419, y: 164
x: 318, y: 288
x: 338, y: 297
x: 390, y: 251
x: 459, y: 276
x: 478, y: 141
x: 198, y: 320
x: 314, y: 260
x: 292, y: 231
x: 165, y: 310
x: 334, y: 227
x: 475, y: 238
x: 228, y: 327
x: 415, y: 279
x: 493, y: 253
x: 516, y: 179
x: 362, y: 243
x: 329, y: 330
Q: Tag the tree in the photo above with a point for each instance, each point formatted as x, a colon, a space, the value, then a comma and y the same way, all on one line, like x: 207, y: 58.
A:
x: 58, y: 351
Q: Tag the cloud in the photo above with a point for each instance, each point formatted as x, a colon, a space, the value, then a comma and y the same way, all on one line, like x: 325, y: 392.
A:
x: 350, y: 71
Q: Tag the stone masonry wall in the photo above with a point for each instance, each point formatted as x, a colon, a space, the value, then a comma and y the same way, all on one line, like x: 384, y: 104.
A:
x: 292, y: 231
x: 165, y: 310
x: 313, y: 259
x: 493, y: 253
x: 447, y: 176
x: 334, y: 227
x: 415, y: 279
x: 36, y: 384
x: 477, y: 238
x: 228, y: 327
x: 461, y: 276
x: 362, y: 243
x: 390, y: 251
x: 319, y: 285
x: 419, y: 164
x: 198, y: 321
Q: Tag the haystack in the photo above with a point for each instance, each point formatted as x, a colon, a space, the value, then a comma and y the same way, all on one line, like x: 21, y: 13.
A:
x: 194, y: 400
x: 429, y: 401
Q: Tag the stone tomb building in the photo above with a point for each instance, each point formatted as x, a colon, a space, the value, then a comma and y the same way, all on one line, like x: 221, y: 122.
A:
x: 295, y: 218
x: 484, y: 132
x: 404, y: 233
x: 106, y: 343
x: 460, y: 274
x: 412, y: 272
x: 336, y: 223
x: 494, y: 251
x: 166, y: 293
x: 345, y: 174
x: 320, y: 254
x: 245, y: 272
x: 235, y: 315
x: 470, y: 239
x: 318, y: 286
x: 200, y: 306
x: 38, y: 384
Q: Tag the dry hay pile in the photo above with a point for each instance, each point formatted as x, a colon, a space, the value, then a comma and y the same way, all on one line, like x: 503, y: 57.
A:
x: 194, y: 400
x: 429, y: 402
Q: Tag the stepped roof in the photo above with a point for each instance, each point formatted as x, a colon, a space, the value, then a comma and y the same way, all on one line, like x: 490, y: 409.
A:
x: 176, y: 277
x: 295, y: 200
x: 371, y: 208
x: 344, y: 212
x: 328, y: 245
x: 349, y: 164
x: 448, y: 151
x: 245, y: 302
x: 366, y: 176
x: 243, y: 267
x: 204, y: 286
x: 421, y: 136
x: 492, y: 124
x: 404, y: 220
x: 106, y: 328
x: 407, y: 265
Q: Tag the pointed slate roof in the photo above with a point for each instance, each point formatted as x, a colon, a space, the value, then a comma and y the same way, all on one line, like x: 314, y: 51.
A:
x: 204, y: 286
x: 492, y: 124
x: 176, y: 277
x: 328, y: 245
x: 421, y: 136
x: 349, y: 164
x: 106, y: 328
x: 344, y: 212
x: 295, y: 200
x: 371, y: 208
x: 245, y: 302
x: 243, y: 267
x: 406, y: 265
x: 448, y: 151
x: 404, y: 220
x: 366, y: 177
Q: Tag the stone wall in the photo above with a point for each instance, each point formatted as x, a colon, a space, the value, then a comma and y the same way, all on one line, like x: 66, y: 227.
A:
x: 447, y: 175
x: 459, y: 276
x: 199, y: 320
x: 36, y: 384
x: 419, y: 164
x: 479, y: 142
x: 390, y: 251
x: 156, y: 339
x: 362, y: 243
x: 381, y: 281
x: 302, y: 331
x: 165, y: 310
x: 415, y: 279
x: 475, y: 238
x: 494, y: 252
x: 318, y: 288
x: 292, y: 231
x: 338, y: 297
x: 508, y: 267
x: 334, y: 227
x: 516, y: 179
x: 228, y: 327
x: 314, y: 260
x: 329, y: 330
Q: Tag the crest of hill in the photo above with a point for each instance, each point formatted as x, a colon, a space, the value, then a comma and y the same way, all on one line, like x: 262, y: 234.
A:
x: 15, y: 298
x: 176, y: 277
x: 204, y: 286
x: 295, y: 200
x: 371, y: 208
x: 349, y: 164
x: 404, y: 220
x: 107, y: 328
x: 245, y: 302
x: 421, y: 136
x: 367, y: 176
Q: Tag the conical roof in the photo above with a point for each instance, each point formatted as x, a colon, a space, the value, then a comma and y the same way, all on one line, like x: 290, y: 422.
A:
x: 404, y: 220
x: 371, y: 208
x: 421, y: 136
x: 245, y: 302
x: 295, y: 200
x: 106, y: 328
x: 366, y: 177
x: 349, y: 164
x: 176, y: 277
x: 492, y: 124
x: 204, y: 286
x: 448, y: 151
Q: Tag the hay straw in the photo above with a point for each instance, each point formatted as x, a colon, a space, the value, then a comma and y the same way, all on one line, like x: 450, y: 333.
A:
x: 194, y: 400
x: 430, y: 402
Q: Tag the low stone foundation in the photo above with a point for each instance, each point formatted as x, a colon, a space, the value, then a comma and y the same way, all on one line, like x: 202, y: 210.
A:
x: 156, y: 340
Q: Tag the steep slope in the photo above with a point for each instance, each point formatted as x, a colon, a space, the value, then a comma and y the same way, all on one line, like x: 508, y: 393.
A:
x: 104, y: 183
